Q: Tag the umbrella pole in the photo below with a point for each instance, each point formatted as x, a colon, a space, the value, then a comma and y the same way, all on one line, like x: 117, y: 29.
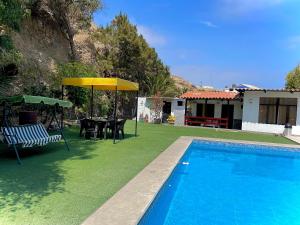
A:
x: 92, y: 102
x: 5, y: 116
x: 136, y: 110
x: 115, y: 114
x: 62, y: 110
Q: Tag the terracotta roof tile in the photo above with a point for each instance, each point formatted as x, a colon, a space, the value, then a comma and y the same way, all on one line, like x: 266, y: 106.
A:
x: 210, y: 95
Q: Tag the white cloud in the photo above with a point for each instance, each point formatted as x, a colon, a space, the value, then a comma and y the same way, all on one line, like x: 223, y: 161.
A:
x: 152, y: 37
x: 244, y: 6
x: 293, y: 42
x: 208, y: 24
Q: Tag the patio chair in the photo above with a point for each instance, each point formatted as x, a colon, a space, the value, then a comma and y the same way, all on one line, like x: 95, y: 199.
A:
x: 101, y: 125
x: 89, y: 128
x: 119, y: 128
x: 27, y: 136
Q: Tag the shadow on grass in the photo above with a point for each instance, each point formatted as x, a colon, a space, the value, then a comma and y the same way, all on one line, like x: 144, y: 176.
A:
x: 41, y: 172
x: 126, y: 136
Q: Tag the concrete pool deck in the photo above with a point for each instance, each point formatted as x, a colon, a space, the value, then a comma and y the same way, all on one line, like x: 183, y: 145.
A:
x: 130, y: 203
x: 294, y: 138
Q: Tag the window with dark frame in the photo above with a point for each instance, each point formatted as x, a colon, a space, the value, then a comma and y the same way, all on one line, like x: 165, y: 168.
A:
x: 278, y: 111
x: 199, y: 110
x: 206, y: 110
x: 210, y: 110
x: 179, y: 103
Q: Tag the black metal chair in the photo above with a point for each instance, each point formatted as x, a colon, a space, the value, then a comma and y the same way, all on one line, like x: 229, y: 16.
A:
x: 82, y: 126
x: 119, y: 128
x: 89, y: 128
x: 101, y: 125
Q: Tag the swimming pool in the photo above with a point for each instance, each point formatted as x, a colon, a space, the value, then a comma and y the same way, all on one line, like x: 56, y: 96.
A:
x: 224, y: 183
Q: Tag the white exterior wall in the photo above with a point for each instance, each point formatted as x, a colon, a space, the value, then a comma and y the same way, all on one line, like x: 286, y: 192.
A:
x: 144, y: 105
x: 194, y: 108
x: 218, y: 108
x: 238, y: 111
x: 251, y: 112
x: 143, y: 108
x: 178, y: 112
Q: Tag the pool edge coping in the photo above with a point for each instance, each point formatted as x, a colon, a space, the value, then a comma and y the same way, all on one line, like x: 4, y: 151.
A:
x: 294, y: 146
x: 129, y: 204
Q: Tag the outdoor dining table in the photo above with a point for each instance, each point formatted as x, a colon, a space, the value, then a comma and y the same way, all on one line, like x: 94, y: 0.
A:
x: 103, y: 124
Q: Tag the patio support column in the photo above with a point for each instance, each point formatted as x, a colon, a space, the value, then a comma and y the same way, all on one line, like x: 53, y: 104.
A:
x: 298, y: 112
x: 62, y: 109
x: 136, y: 110
x: 277, y: 110
x: 185, y: 110
x: 204, y: 108
x: 228, y: 103
x: 115, y: 113
x: 228, y: 113
x: 92, y: 103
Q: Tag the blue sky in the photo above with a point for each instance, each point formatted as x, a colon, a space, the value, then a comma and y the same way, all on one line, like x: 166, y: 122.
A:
x: 218, y: 42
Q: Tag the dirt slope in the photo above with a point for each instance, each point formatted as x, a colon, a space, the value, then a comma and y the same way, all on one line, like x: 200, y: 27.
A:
x: 183, y: 84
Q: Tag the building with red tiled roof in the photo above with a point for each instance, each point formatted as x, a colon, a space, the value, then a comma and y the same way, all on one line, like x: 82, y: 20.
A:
x: 209, y: 95
x: 213, y: 108
x: 250, y: 109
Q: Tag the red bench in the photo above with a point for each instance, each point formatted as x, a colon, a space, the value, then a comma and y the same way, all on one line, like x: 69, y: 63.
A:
x: 206, y: 121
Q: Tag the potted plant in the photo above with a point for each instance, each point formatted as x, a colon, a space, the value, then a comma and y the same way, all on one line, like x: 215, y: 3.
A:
x: 171, y: 119
x: 156, y: 108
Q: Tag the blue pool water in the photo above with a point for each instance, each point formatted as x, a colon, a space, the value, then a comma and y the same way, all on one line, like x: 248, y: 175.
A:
x: 222, y: 183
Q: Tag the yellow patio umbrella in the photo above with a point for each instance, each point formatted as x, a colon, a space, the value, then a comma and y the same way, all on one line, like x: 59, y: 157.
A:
x: 105, y: 84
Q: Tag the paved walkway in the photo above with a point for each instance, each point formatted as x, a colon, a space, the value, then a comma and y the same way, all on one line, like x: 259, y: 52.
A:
x: 294, y: 138
x: 129, y: 204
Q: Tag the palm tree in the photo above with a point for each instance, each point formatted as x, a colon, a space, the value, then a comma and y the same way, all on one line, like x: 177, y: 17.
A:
x: 162, y: 84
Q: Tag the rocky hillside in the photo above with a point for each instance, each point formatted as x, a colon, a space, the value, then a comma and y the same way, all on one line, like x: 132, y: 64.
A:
x: 46, y: 47
x: 42, y: 43
x: 43, y: 47
x: 183, y: 84
x: 57, y: 40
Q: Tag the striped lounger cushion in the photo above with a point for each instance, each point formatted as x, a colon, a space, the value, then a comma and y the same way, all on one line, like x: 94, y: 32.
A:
x: 28, y: 135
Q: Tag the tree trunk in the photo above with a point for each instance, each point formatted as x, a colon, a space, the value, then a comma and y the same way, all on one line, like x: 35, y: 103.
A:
x: 72, y: 44
x: 60, y: 13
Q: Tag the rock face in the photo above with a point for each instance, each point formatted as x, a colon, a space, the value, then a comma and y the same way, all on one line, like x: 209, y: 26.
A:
x: 87, y: 48
x: 44, y: 46
x: 42, y: 43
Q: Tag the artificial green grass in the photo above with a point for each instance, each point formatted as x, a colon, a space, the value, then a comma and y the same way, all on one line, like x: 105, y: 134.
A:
x: 54, y: 186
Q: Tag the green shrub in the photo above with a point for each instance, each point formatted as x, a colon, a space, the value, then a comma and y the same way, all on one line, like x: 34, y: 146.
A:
x: 6, y: 42
x: 79, y: 96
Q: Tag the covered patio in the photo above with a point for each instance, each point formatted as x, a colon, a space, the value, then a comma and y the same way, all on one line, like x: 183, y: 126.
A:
x: 104, y: 84
x: 220, y: 109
